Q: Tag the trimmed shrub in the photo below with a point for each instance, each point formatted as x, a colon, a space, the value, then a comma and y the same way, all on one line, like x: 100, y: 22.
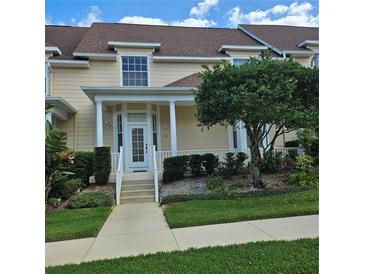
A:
x: 303, y: 178
x: 240, y: 161
x: 65, y: 189
x: 210, y: 162
x: 228, y: 167
x: 292, y: 143
x: 174, y: 168
x: 82, y: 167
x: 272, y: 163
x: 195, y: 164
x: 55, y: 202
x: 214, y: 183
x: 102, y: 165
x: 293, y: 153
x: 90, y: 199
x: 304, y: 163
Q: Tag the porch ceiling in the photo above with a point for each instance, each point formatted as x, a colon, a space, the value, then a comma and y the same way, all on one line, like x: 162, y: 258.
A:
x: 139, y: 94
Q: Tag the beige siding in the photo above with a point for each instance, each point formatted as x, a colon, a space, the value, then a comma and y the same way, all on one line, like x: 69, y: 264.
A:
x: 189, y: 135
x: 305, y: 61
x: 314, y: 48
x: 67, y: 82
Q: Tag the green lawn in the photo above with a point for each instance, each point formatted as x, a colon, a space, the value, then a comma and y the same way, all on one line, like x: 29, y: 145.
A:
x: 203, y: 212
x: 300, y: 256
x: 75, y: 223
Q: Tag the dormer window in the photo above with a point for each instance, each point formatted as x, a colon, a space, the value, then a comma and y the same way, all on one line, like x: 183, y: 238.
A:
x: 239, y: 61
x: 135, y: 71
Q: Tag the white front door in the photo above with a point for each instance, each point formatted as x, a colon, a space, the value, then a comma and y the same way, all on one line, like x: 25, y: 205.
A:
x: 137, y: 147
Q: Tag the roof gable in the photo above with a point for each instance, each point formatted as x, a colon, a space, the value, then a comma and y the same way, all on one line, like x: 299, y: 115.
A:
x: 284, y: 38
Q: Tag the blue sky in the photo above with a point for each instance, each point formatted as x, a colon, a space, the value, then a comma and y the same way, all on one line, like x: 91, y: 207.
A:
x: 201, y: 13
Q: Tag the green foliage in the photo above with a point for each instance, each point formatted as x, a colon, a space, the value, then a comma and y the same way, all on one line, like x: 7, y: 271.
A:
x: 304, y: 163
x: 210, y: 162
x: 305, y: 174
x: 55, y: 202
x: 90, y: 199
x: 214, y: 183
x: 240, y: 161
x: 261, y: 92
x: 174, y: 168
x: 64, y: 189
x: 272, y: 163
x: 56, y: 152
x: 228, y: 166
x: 195, y: 164
x: 102, y: 166
x: 293, y: 153
x: 82, y: 167
x: 292, y: 143
x: 309, y: 140
x: 303, y: 178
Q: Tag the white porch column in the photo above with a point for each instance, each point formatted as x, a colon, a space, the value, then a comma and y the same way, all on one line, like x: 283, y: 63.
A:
x: 149, y: 134
x: 241, y: 137
x: 99, y: 124
x: 49, y: 117
x: 173, y: 129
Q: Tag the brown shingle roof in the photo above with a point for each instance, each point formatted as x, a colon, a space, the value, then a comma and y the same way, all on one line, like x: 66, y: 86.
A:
x: 283, y: 37
x: 65, y: 38
x: 175, y: 41
x: 192, y: 80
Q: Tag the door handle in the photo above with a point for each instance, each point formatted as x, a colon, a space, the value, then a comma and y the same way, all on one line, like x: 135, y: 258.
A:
x: 146, y: 148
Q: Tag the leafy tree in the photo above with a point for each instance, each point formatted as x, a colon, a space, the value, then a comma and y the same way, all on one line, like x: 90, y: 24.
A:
x: 56, y: 152
x: 268, y: 95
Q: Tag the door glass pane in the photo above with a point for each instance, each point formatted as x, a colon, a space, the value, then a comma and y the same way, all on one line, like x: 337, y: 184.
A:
x: 137, y: 145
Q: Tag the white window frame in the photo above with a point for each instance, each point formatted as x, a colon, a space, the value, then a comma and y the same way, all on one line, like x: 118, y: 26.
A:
x: 239, y: 57
x: 134, y: 55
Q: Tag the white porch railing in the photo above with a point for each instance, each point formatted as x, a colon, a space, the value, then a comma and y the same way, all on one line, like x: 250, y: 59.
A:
x: 155, y: 173
x: 119, y: 177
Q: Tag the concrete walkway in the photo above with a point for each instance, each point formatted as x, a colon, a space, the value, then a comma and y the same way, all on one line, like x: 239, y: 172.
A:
x: 134, y: 229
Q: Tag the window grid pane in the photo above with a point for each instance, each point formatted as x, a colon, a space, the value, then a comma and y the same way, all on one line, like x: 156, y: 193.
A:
x: 135, y: 72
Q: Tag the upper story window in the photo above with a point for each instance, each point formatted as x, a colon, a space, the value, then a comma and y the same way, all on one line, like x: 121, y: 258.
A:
x: 134, y: 71
x: 239, y: 61
x: 315, y: 60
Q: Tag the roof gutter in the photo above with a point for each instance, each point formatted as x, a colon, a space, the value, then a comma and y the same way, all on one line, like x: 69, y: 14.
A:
x: 190, y: 59
x: 298, y: 53
x: 278, y: 51
x: 309, y: 43
x: 224, y: 48
x: 53, y: 50
x: 96, y: 56
x: 120, y: 44
x: 68, y: 63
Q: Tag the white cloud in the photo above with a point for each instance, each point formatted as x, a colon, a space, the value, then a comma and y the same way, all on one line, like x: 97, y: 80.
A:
x: 142, y: 20
x: 296, y: 14
x: 203, y: 8
x: 189, y: 22
x: 192, y: 22
x: 94, y: 15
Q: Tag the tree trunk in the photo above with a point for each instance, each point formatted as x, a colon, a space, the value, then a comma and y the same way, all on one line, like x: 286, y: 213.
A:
x: 254, y: 167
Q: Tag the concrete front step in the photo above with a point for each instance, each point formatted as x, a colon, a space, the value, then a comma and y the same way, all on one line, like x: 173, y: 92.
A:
x: 139, y: 182
x: 141, y: 199
x: 136, y: 193
x: 138, y: 187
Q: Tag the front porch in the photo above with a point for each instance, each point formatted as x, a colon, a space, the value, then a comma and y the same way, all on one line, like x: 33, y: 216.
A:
x: 139, y: 119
